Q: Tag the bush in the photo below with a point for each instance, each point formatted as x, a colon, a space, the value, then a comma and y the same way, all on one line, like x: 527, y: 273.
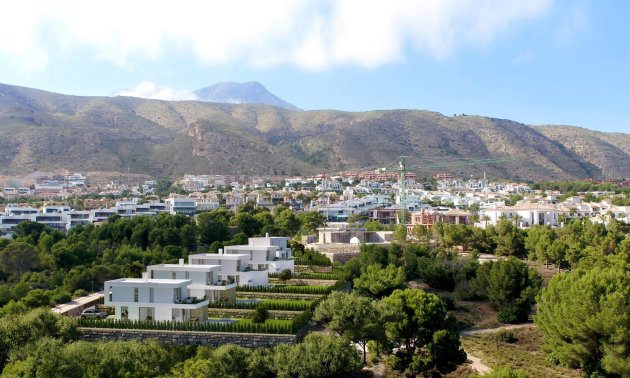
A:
x: 448, y: 301
x: 79, y: 293
x: 511, y: 314
x: 505, y: 337
x: 260, y: 315
x: 285, y: 275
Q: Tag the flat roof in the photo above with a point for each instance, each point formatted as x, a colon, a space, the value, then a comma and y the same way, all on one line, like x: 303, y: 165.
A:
x: 223, y: 256
x: 149, y: 282
x: 189, y: 267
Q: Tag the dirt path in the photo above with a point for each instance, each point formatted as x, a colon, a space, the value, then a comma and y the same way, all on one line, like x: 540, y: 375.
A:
x: 497, y: 329
x: 475, y: 363
x: 478, y: 366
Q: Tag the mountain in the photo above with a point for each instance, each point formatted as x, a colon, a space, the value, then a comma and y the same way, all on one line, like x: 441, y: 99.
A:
x: 251, y: 92
x: 609, y: 151
x: 43, y: 131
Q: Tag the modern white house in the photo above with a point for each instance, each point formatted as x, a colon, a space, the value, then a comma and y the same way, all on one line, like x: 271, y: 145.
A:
x: 524, y: 215
x: 249, y: 264
x: 154, y: 299
x: 265, y: 253
x: 205, y: 280
x: 234, y: 268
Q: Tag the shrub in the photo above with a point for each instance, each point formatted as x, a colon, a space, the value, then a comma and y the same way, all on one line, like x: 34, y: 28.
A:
x: 260, y: 315
x: 510, y: 314
x: 448, y: 301
x: 285, y: 275
x: 505, y: 337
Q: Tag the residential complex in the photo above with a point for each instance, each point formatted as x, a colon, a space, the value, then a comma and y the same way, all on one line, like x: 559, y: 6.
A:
x: 182, y: 292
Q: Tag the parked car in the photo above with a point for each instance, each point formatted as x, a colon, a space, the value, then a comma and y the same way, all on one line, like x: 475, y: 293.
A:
x: 94, y: 313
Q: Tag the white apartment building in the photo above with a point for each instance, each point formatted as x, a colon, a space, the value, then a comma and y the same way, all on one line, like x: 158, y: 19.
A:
x: 181, y: 205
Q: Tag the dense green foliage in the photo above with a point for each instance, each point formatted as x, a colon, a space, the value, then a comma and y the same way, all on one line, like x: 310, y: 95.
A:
x: 259, y: 315
x: 585, y: 317
x: 353, y: 316
x: 42, y: 267
x: 510, y: 286
x: 378, y: 282
x: 21, y: 330
x: 424, y: 337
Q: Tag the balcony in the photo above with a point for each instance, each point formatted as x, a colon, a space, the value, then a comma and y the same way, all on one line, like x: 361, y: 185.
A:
x: 189, y: 300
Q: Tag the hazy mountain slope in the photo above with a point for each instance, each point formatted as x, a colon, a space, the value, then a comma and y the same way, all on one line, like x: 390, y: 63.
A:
x: 609, y: 151
x: 46, y: 131
x: 250, y: 92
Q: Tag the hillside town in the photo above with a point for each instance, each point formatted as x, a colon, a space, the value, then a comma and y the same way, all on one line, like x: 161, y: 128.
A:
x: 350, y: 198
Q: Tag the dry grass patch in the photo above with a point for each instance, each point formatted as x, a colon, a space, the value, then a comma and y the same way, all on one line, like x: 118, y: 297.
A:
x: 475, y: 315
x: 524, y: 353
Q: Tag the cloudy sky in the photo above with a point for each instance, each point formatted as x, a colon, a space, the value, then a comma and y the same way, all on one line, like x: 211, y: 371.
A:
x: 534, y: 61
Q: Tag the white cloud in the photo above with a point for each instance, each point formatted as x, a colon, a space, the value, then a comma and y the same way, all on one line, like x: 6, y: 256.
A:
x: 309, y: 34
x: 151, y: 90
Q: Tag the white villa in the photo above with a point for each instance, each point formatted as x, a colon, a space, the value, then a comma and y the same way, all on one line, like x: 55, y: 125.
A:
x: 205, y: 280
x: 154, y: 299
x: 249, y: 264
x: 526, y: 215
x: 182, y: 292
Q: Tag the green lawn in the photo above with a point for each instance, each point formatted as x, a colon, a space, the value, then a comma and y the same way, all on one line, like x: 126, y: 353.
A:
x: 268, y: 321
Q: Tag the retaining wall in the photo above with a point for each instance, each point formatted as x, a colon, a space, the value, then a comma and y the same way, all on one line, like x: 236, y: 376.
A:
x: 248, y: 340
x: 246, y: 313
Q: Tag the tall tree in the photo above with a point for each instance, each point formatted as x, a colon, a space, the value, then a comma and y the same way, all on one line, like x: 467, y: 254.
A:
x: 18, y: 257
x: 512, y: 288
x: 352, y: 316
x: 378, y: 282
x: 585, y: 317
x: 416, y: 324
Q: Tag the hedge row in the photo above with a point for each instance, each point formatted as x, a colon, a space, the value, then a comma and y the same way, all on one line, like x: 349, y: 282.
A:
x: 272, y: 305
x: 246, y: 327
x: 311, y: 276
x: 324, y: 261
x: 286, y: 289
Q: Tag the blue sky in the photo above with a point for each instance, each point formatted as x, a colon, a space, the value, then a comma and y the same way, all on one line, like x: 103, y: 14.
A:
x: 535, y: 61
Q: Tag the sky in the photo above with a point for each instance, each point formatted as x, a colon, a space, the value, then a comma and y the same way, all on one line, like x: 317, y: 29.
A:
x: 536, y: 61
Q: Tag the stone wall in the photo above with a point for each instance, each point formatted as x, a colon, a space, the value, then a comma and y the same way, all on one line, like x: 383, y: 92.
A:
x: 248, y: 340
x: 291, y: 296
x: 246, y: 313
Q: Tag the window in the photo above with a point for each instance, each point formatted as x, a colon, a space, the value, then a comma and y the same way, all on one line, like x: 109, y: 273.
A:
x: 135, y: 294
x: 151, y: 295
x: 173, y: 275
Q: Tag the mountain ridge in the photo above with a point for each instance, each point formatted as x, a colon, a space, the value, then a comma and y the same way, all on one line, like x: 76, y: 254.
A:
x: 42, y: 130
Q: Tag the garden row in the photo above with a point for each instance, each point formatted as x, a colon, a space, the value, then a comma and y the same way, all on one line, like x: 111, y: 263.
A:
x: 322, y: 290
x: 310, y: 276
x: 291, y: 327
x: 278, y: 304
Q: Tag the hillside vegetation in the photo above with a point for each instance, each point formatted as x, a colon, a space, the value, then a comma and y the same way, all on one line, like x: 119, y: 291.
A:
x: 46, y: 131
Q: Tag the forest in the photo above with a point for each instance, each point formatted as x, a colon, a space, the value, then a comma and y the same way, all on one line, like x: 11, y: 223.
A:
x: 583, y: 311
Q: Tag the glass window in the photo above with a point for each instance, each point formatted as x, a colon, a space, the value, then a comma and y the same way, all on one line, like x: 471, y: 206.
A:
x: 135, y: 294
